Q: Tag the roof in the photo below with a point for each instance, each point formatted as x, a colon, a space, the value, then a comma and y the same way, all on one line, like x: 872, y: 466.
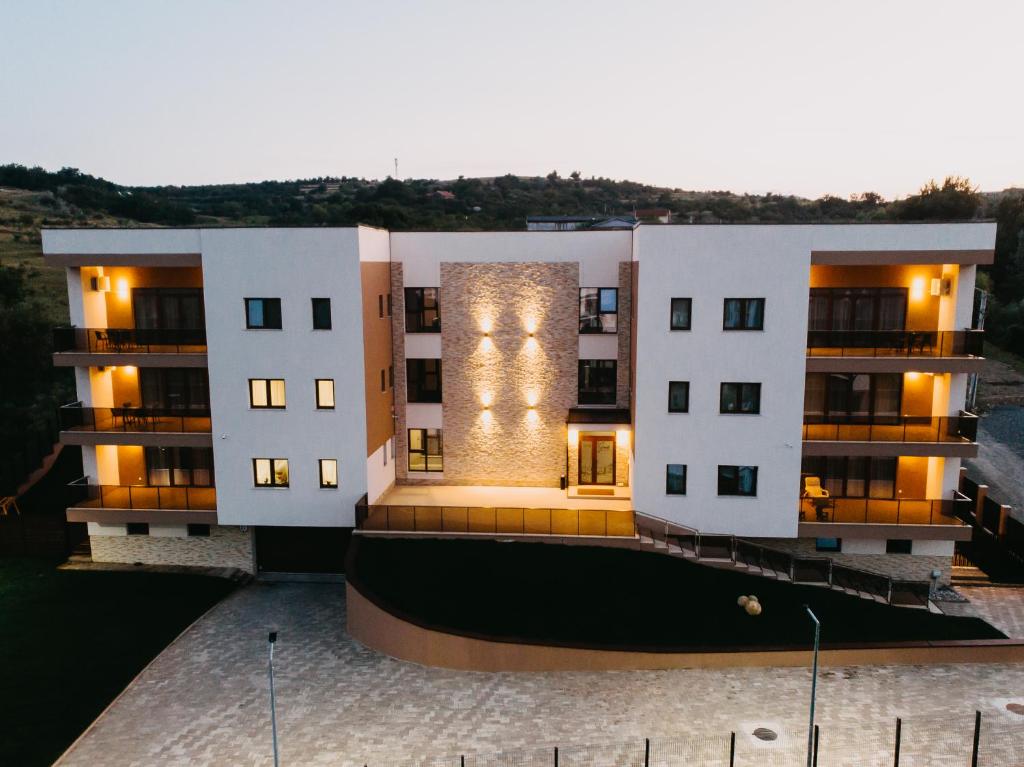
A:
x: 598, y: 415
x: 562, y: 219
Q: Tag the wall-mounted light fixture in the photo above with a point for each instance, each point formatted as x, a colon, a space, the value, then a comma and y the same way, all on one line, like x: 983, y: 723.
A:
x: 622, y: 437
x: 941, y: 286
x: 122, y: 289
x: 917, y: 289
x: 99, y: 284
x: 574, y: 436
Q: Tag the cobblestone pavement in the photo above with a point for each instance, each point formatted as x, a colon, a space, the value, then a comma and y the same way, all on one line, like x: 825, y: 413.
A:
x: 204, y: 702
x: 1002, y: 606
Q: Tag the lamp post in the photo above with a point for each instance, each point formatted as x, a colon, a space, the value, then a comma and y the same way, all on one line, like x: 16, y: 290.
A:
x: 272, y: 639
x: 814, y: 684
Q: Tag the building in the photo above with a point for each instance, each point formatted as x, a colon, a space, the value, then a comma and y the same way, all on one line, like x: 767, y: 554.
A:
x: 654, y: 215
x: 576, y: 223
x: 243, y: 390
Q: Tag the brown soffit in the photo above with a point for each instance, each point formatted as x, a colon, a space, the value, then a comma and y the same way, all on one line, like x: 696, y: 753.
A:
x: 140, y: 360
x: 881, y: 531
x: 894, y: 364
x: 141, y: 438
x: 883, y: 257
x: 123, y: 259
x: 151, y: 516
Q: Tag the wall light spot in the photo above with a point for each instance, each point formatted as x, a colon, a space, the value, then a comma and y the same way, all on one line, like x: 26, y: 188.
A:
x: 917, y: 289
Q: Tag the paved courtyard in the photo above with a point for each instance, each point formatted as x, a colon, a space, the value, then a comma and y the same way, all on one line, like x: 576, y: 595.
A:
x: 204, y: 702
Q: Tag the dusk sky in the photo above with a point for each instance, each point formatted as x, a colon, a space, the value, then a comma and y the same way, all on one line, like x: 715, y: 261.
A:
x: 792, y: 97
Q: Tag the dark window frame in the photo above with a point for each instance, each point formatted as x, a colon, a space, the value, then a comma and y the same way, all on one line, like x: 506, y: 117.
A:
x: 197, y: 530
x: 266, y: 388
x: 899, y: 546
x: 265, y: 326
x: 417, y: 376
x: 601, y: 393
x: 817, y: 466
x: 837, y: 547
x: 186, y: 460
x: 828, y: 415
x: 137, y: 528
x: 316, y: 394
x: 731, y: 487
x: 425, y: 451
x: 739, y: 398
x: 743, y: 314
x: 320, y: 474
x: 599, y: 328
x: 418, y: 297
x: 273, y: 473
x: 321, y: 303
x: 873, y: 294
x: 672, y: 313
x: 180, y: 295
x: 668, y: 479
x: 686, y: 406
x: 178, y: 389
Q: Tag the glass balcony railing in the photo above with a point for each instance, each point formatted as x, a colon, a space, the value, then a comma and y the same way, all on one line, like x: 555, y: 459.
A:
x: 958, y: 428
x: 886, y: 511
x: 130, y: 340
x: 894, y: 343
x: 75, y: 417
x: 144, y: 497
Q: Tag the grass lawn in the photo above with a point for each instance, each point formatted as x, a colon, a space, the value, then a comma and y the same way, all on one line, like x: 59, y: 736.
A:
x: 618, y: 598
x: 70, y: 641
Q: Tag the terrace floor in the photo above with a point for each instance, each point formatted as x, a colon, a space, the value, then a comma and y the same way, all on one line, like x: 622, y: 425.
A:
x: 509, y: 497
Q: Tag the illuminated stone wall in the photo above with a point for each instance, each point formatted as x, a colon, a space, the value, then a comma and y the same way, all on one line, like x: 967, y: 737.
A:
x: 508, y: 443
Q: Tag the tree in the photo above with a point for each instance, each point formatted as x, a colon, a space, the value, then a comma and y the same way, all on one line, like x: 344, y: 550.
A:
x: 956, y: 200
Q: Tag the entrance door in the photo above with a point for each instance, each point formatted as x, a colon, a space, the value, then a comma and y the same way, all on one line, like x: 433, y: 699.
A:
x: 597, y: 459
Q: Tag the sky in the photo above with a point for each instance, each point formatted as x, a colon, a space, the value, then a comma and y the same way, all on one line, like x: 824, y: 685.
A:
x: 785, y: 96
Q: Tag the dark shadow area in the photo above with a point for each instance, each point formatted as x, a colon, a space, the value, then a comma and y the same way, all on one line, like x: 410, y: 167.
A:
x: 618, y: 599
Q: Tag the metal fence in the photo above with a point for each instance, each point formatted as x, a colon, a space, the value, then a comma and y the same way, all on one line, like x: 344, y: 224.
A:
x: 907, y: 428
x: 177, y: 498
x: 894, y: 343
x: 129, y: 340
x: 912, y: 742
x: 77, y: 417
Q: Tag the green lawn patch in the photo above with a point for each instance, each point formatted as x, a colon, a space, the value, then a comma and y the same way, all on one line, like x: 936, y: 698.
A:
x: 619, y: 599
x: 70, y: 641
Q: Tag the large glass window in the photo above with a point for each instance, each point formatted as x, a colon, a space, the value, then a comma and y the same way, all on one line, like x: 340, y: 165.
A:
x: 740, y: 398
x: 178, y: 388
x: 853, y: 476
x: 597, y: 382
x: 168, y: 308
x: 324, y: 393
x: 423, y: 380
x: 599, y: 310
x: 425, y: 450
x: 679, y: 396
x: 266, y: 393
x: 737, y: 480
x: 680, y: 315
x: 675, y: 479
x: 263, y: 313
x: 852, y: 397
x: 270, y: 472
x: 179, y: 466
x: 743, y: 314
x: 321, y: 313
x: 857, y: 309
x: 422, y: 313
x: 328, y: 472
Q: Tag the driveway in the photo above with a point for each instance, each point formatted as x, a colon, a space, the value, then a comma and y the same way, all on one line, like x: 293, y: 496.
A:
x: 204, y: 700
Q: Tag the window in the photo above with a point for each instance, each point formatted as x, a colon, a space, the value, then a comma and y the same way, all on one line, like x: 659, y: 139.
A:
x: 328, y: 472
x: 179, y: 466
x: 857, y: 309
x: 266, y: 393
x: 388, y: 297
x: 425, y: 450
x: 740, y: 398
x: 853, y: 476
x: 737, y: 480
x: 423, y: 380
x: 597, y: 382
x: 174, y: 388
x: 321, y: 314
x: 680, y: 316
x: 391, y: 376
x: 599, y: 310
x: 325, y: 394
x: 198, y: 531
x: 422, y: 313
x: 380, y: 306
x: 852, y: 397
x: 898, y: 546
x: 675, y: 479
x: 270, y: 472
x: 828, y: 544
x: 743, y: 314
x: 263, y: 313
x: 383, y: 381
x: 168, y: 309
x: 137, y: 528
x: 679, y: 396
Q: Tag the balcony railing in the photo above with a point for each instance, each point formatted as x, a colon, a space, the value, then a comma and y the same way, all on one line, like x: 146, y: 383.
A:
x: 886, y: 511
x: 130, y: 340
x: 76, y: 417
x: 495, y: 521
x: 908, y: 428
x: 894, y: 343
x: 145, y: 497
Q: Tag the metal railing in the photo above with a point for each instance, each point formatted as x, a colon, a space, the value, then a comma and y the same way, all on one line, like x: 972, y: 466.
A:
x: 894, y: 343
x: 76, y: 417
x: 145, y: 497
x: 129, y: 340
x: 886, y: 511
x: 495, y: 520
x: 907, y: 428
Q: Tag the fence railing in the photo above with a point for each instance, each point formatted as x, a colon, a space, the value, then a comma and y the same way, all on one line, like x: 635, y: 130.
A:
x: 129, y: 340
x: 494, y: 520
x: 145, y: 497
x: 76, y: 417
x: 886, y: 511
x: 894, y: 343
x: 781, y: 564
x: 907, y: 428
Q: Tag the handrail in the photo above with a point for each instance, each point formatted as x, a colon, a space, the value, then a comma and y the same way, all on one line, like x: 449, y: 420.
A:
x: 885, y: 511
x: 895, y: 343
x: 179, y: 498
x: 129, y: 340
x: 76, y: 417
x: 907, y: 428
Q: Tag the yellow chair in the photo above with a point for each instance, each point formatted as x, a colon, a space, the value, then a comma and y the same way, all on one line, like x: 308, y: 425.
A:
x: 818, y: 496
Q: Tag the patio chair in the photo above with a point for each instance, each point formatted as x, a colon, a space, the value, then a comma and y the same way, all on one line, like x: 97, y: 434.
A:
x: 102, y: 339
x: 818, y: 496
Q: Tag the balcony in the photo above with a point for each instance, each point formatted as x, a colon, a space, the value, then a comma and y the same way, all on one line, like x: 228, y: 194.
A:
x: 886, y: 511
x: 905, y: 435
x: 129, y: 346
x: 147, y: 426
x: 143, y: 503
x: 923, y: 350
